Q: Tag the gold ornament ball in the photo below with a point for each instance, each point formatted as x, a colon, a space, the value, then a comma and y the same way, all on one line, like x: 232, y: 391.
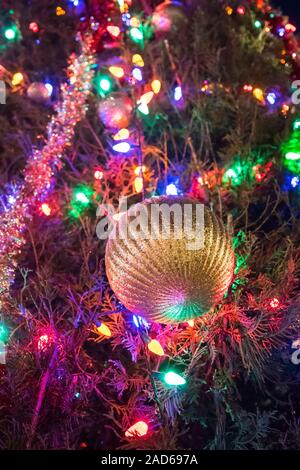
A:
x: 168, y: 17
x: 116, y: 111
x: 160, y: 277
x: 38, y: 92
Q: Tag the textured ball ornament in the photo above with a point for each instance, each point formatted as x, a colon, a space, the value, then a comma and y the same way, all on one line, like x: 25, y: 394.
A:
x: 38, y: 92
x: 116, y: 111
x: 168, y: 18
x: 160, y: 277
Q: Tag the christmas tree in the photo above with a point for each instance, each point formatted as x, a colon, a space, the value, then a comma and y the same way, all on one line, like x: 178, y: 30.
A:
x: 130, y: 344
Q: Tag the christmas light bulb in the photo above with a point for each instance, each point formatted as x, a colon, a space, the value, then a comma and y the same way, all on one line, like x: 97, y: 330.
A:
x: 98, y: 174
x: 155, y: 347
x: 3, y: 333
x: 10, y: 34
x: 171, y: 190
x: 43, y: 342
x: 146, y: 97
x: 292, y: 156
x: 137, y: 74
x: 34, y: 27
x: 122, y: 134
x: 138, y: 184
x: 191, y: 323
x: 296, y: 124
x: 136, y: 34
x: 295, y: 181
x: 137, y: 60
x: 46, y: 209
x: 274, y: 303
x: 122, y: 147
x: 135, y: 22
x: 241, y: 10
x: 17, y: 79
x: 229, y: 10
x: 113, y: 30
x: 258, y: 94
x: 178, y: 93
x: 82, y: 198
x: 171, y: 378
x: 143, y: 108
x: 117, y: 72
x: 103, y: 84
x: 156, y: 86
x: 104, y: 330
x: 60, y: 11
x: 49, y: 88
x: 140, y: 428
x: 257, y: 24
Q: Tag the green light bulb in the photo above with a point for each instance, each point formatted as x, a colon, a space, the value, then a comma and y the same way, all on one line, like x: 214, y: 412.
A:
x: 136, y: 34
x: 171, y: 378
x: 3, y: 333
x: 10, y: 34
x: 296, y: 124
x: 257, y: 24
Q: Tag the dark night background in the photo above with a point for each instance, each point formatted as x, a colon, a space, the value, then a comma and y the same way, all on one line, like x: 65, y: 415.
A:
x: 290, y: 8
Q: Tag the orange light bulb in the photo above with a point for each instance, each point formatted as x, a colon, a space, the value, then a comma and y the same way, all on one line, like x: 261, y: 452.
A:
x: 155, y: 347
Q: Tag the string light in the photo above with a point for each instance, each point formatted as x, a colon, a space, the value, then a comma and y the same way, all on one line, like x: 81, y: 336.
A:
x: 122, y: 147
x: 136, y: 35
x: 3, y: 333
x: 10, y: 34
x: 156, y: 86
x: 114, y: 31
x: 60, y: 11
x: 46, y: 209
x: 137, y: 60
x: 155, y: 347
x: 171, y: 190
x: 275, y: 303
x: 143, y: 108
x: 171, y: 378
x: 146, y: 98
x: 258, y: 94
x: 103, y: 84
x: 122, y: 134
x: 139, y: 429
x: 34, y: 27
x: 116, y: 71
x: 98, y: 174
x: 137, y: 74
x: 138, y: 184
x: 17, y: 79
x: 178, y: 93
x: 104, y: 330
x: 241, y: 10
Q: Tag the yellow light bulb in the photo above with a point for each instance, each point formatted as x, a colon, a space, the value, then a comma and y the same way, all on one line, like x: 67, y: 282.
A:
x: 155, y: 347
x: 60, y: 11
x: 191, y: 323
x: 138, y: 184
x: 134, y: 22
x: 229, y: 10
x: 137, y: 59
x: 104, y: 330
x: 258, y: 94
x: 17, y: 78
x: 123, y: 134
x: 156, y: 86
x: 116, y: 71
